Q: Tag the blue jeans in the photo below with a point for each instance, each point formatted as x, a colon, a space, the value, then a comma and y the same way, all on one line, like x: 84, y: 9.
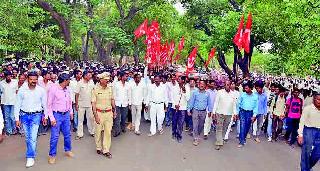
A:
x: 62, y: 123
x: 177, y: 123
x: 310, y: 153
x: 188, y: 120
x: 9, y: 119
x: 30, y: 124
x: 169, y: 113
x: 43, y: 129
x: 292, y: 130
x: 269, y: 127
x: 119, y: 123
x: 245, y: 124
x: 75, y: 117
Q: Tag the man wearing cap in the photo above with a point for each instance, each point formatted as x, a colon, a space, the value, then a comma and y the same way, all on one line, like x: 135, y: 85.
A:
x: 8, y: 89
x: 31, y: 101
x: 103, y: 110
x: 60, y: 112
x: 83, y: 104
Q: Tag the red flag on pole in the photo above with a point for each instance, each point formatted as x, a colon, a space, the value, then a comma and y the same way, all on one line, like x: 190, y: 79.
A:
x: 180, y: 47
x: 141, y: 30
x: 246, y: 34
x: 211, y: 55
x: 181, y: 44
x: 171, y: 50
x: 191, y: 60
x: 237, y: 40
x: 153, y: 43
x: 164, y: 54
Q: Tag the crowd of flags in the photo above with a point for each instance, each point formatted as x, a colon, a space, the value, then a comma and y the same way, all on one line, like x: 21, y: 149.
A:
x: 163, y: 53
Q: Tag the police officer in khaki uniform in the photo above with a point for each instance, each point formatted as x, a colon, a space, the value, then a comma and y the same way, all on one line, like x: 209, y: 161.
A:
x: 103, y: 109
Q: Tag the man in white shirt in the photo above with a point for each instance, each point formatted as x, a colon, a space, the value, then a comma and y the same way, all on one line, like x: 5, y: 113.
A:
x: 148, y: 82
x: 223, y: 109
x: 171, y: 87
x: 83, y: 104
x: 31, y: 101
x: 73, y: 87
x: 45, y: 83
x: 208, y: 121
x: 9, y: 90
x: 137, y: 98
x: 180, y: 101
x: 122, y: 97
x: 157, y: 101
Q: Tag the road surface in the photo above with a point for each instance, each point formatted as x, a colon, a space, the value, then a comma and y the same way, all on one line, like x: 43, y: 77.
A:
x: 158, y: 153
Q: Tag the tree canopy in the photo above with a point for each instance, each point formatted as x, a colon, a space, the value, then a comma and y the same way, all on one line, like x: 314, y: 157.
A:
x: 103, y: 30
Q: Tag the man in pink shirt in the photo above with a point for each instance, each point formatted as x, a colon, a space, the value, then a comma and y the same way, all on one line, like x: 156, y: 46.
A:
x: 294, y: 110
x: 60, y: 112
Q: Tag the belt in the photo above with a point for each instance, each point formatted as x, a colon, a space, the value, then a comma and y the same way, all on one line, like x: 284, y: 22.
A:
x: 157, y: 103
x: 62, y: 113
x: 104, y: 111
x: 246, y: 110
x: 31, y: 113
x: 201, y: 110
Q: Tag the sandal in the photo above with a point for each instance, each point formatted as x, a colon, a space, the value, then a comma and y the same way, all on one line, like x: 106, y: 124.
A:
x: 108, y: 155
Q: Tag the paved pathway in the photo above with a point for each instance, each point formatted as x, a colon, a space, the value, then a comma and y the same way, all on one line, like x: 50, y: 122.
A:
x: 158, y: 153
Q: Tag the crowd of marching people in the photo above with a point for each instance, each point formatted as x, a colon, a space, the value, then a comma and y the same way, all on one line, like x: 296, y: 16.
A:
x: 40, y: 97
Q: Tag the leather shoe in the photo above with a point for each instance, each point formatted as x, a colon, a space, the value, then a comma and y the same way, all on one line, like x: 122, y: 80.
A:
x: 69, y: 154
x: 51, y: 160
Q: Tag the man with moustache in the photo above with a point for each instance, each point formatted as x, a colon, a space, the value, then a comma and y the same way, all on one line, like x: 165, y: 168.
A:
x: 31, y: 101
x: 104, y: 112
x: 60, y: 112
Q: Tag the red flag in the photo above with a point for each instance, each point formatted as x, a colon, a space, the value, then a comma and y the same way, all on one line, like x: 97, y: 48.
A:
x: 237, y: 40
x: 164, y: 53
x: 180, y: 47
x: 181, y: 44
x: 191, y: 60
x: 211, y: 55
x: 141, y: 30
x: 171, y: 50
x: 153, y: 42
x: 246, y: 34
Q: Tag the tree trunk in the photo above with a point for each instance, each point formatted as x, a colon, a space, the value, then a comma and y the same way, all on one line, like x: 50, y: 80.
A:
x: 64, y: 26
x: 102, y: 54
x: 109, y: 50
x: 121, y: 56
x: 85, y: 46
x: 136, y: 54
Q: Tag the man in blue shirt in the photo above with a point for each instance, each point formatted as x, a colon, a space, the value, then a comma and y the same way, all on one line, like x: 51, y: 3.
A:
x: 262, y: 109
x: 247, y: 110
x: 198, y: 104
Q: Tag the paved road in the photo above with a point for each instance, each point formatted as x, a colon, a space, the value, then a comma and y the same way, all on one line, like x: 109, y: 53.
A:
x: 142, y: 153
